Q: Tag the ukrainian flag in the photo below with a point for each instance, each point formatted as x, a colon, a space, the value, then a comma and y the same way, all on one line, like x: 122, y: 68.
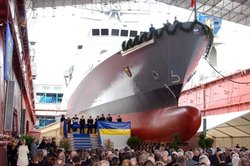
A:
x: 117, y: 132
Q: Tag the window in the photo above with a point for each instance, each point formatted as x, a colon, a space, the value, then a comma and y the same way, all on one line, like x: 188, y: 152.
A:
x: 15, y: 122
x: 46, y: 88
x: 59, y: 99
x: 104, y: 32
x: 115, y: 32
x: 22, y: 124
x: 57, y: 88
x: 124, y: 32
x: 133, y: 33
x: 49, y: 97
x: 95, y: 32
x: 41, y: 97
x: 44, y: 121
x: 27, y: 126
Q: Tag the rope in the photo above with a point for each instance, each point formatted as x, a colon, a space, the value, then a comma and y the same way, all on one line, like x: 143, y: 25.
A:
x: 237, y: 82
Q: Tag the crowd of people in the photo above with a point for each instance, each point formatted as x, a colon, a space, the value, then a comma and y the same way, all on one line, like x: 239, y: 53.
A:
x: 147, y: 154
x: 19, y: 153
x: 48, y: 153
x: 75, y: 123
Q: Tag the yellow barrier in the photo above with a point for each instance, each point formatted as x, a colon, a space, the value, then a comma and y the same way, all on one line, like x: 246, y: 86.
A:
x: 52, y: 130
x: 55, y: 130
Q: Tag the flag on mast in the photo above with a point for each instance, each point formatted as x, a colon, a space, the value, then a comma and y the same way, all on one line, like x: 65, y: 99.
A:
x: 192, y: 3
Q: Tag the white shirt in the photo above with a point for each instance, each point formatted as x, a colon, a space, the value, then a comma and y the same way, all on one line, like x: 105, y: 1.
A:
x: 23, y: 155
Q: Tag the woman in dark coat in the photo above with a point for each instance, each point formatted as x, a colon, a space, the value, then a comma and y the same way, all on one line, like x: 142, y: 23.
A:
x: 12, y: 153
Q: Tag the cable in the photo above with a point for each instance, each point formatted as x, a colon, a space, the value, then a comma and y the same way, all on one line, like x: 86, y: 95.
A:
x: 237, y: 82
x: 190, y: 15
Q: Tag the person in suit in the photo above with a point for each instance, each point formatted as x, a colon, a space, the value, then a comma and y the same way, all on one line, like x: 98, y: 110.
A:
x: 90, y: 124
x: 119, y: 119
x: 102, y: 118
x: 152, y: 28
x: 62, y: 118
x: 82, y: 125
x: 109, y: 118
x: 95, y: 125
x: 12, y: 152
x: 44, y: 144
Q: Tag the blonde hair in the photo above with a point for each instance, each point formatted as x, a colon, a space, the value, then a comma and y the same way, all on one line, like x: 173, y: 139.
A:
x: 125, y: 162
x: 23, y: 141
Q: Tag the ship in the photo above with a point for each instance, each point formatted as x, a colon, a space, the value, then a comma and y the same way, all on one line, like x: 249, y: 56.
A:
x: 141, y: 79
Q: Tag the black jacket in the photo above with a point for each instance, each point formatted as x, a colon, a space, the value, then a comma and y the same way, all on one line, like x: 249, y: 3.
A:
x: 90, y: 121
x: 82, y: 122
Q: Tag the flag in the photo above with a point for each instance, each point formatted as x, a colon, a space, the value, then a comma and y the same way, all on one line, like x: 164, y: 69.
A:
x: 65, y: 129
x: 114, y: 134
x: 192, y: 3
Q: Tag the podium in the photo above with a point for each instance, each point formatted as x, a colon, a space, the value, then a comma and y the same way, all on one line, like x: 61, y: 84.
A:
x: 109, y: 135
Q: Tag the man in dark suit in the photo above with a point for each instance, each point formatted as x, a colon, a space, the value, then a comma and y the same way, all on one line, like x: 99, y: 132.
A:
x: 102, y: 118
x: 119, y: 119
x: 82, y: 125
x: 109, y: 118
x: 62, y: 118
x: 96, y: 119
x: 152, y: 28
x: 90, y: 124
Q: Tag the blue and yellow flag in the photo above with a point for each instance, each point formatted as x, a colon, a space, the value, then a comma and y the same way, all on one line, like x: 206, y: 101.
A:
x: 114, y: 134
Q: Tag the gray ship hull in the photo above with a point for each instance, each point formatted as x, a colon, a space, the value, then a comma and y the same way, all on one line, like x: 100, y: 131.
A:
x: 143, y: 78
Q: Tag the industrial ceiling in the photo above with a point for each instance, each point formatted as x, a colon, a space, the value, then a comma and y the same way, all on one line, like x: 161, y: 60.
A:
x: 237, y: 11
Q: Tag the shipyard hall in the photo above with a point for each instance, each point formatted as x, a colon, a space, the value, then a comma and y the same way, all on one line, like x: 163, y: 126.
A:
x: 124, y: 83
